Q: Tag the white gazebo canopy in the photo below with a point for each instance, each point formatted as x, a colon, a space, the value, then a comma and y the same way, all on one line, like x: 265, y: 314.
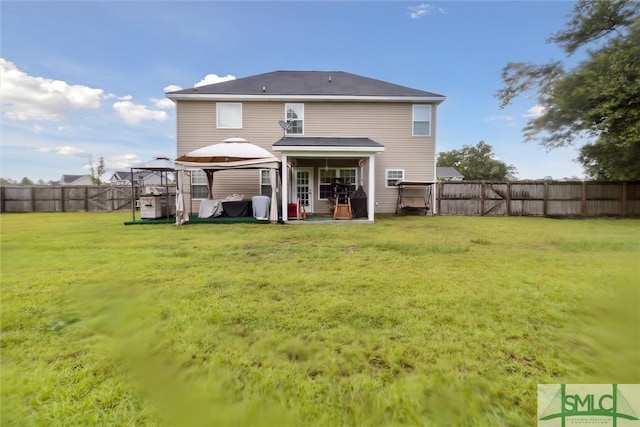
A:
x: 233, y: 153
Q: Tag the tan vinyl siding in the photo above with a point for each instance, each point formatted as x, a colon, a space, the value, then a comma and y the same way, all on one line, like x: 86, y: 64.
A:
x: 389, y: 124
x: 197, y: 124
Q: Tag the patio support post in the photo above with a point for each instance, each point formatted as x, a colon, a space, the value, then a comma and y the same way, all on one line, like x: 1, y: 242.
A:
x: 285, y: 187
x: 371, y: 201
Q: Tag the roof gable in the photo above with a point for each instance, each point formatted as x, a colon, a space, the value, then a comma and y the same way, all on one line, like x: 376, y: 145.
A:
x: 310, y: 83
x: 448, y: 171
x: 68, y: 179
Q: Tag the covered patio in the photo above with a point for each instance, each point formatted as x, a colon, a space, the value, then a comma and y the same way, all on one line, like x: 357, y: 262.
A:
x: 302, y: 155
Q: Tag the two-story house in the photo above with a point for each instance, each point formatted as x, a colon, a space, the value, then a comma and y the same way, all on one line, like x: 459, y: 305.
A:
x: 323, y: 125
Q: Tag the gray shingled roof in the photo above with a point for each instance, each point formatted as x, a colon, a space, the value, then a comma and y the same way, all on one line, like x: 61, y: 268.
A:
x: 126, y: 175
x: 318, y: 83
x: 447, y: 171
x: 326, y: 142
x: 68, y: 179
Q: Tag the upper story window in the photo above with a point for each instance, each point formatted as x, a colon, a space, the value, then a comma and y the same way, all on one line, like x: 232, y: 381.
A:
x: 422, y: 120
x: 295, y: 117
x: 229, y: 115
x: 393, y: 176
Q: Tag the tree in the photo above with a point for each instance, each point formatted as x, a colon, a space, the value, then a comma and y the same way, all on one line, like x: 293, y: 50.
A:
x: 7, y: 181
x: 477, y: 163
x: 599, y: 99
x: 97, y: 172
x: 26, y: 181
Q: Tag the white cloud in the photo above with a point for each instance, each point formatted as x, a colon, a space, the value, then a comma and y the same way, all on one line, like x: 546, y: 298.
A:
x: 25, y: 97
x: 124, y: 161
x: 65, y: 150
x: 210, y: 79
x: 68, y: 150
x: 423, y: 9
x: 163, y: 104
x: 507, y: 119
x: 133, y: 114
x: 172, y: 88
x: 535, y: 111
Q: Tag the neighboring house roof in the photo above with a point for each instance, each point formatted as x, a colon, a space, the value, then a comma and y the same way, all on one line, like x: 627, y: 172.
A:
x: 71, y: 179
x: 448, y: 172
x: 313, y: 84
x: 121, y: 176
x: 126, y: 176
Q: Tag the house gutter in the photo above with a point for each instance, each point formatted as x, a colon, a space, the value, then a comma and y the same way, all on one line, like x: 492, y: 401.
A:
x: 310, y: 151
x: 289, y: 98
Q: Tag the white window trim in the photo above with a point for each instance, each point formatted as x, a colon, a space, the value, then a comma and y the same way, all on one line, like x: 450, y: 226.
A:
x: 386, y: 177
x: 286, y: 107
x: 413, y: 118
x: 218, y: 115
x: 262, y: 182
x: 192, y: 174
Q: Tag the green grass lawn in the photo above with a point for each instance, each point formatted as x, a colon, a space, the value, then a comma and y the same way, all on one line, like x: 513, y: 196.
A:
x: 443, y: 321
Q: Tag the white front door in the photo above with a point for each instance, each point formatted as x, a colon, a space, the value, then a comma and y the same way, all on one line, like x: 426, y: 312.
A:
x: 303, y: 187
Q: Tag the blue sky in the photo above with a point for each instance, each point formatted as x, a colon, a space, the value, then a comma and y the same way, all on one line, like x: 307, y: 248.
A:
x: 85, y: 80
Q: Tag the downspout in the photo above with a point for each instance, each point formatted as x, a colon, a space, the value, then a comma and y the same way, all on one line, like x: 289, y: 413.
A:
x: 133, y: 196
x: 371, y: 201
x: 285, y: 187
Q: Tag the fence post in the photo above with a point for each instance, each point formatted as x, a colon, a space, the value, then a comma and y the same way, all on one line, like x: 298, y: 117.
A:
x: 481, y: 198
x: 3, y: 206
x: 623, y: 204
x: 508, y: 199
x: 545, y: 198
x: 583, y: 201
x: 33, y: 199
x: 86, y: 198
x: 439, y: 196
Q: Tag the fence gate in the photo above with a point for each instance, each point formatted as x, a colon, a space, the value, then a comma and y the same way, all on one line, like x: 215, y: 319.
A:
x: 124, y: 200
x: 108, y: 198
x: 494, y: 199
x: 98, y: 201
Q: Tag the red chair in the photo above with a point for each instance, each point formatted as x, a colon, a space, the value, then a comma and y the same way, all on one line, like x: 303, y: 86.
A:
x: 296, y: 211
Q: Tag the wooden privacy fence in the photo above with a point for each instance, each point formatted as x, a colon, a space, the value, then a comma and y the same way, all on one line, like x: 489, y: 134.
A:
x: 473, y: 198
x: 72, y: 198
x: 534, y: 198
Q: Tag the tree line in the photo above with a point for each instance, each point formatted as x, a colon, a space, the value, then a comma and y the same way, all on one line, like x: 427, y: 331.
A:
x: 596, y: 104
x: 599, y: 100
